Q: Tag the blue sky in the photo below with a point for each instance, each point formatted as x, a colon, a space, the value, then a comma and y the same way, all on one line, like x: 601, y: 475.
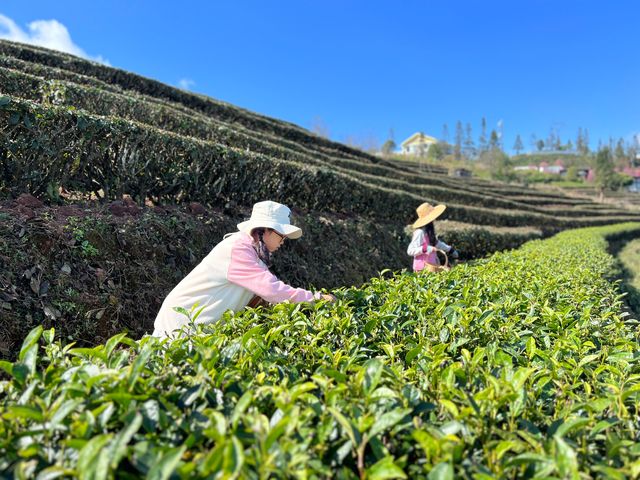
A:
x: 361, y: 68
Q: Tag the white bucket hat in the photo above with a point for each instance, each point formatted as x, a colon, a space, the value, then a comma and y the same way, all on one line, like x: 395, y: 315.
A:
x: 272, y: 215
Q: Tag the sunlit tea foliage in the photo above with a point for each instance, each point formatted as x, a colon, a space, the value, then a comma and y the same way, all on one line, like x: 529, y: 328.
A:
x: 521, y: 365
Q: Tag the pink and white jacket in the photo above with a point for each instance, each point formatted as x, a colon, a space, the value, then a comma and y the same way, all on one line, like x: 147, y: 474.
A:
x: 422, y: 252
x: 227, y: 279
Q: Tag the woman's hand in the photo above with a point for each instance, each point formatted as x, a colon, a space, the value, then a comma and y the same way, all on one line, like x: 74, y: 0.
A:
x: 328, y: 297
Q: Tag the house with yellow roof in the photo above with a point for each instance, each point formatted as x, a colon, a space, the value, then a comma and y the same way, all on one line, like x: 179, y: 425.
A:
x: 417, y: 144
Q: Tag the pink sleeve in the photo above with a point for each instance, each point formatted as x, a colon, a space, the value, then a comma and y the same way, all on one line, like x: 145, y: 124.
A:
x: 246, y: 270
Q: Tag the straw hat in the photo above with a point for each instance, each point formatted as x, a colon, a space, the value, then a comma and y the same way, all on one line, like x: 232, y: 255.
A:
x: 427, y: 213
x: 272, y: 215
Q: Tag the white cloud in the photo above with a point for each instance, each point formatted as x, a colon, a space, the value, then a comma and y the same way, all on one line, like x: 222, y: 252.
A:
x: 44, y: 33
x: 186, y: 83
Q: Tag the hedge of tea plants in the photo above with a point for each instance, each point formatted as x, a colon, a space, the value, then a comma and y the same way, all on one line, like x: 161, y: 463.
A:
x: 46, y: 88
x: 45, y: 148
x: 519, y: 366
x: 52, y: 78
x: 133, y: 82
x: 93, y: 275
x: 108, y: 91
x: 146, y: 110
x: 107, y: 102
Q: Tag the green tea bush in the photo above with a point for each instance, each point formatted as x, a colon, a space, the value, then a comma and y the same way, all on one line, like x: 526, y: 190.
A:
x: 161, y: 114
x: 43, y: 148
x: 473, y: 241
x: 98, y: 275
x: 136, y: 83
x: 105, y: 82
x: 143, y: 109
x: 520, y: 366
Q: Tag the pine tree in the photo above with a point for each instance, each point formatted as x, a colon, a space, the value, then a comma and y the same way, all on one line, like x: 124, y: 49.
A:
x: 388, y: 147
x: 620, y: 154
x: 457, y: 149
x: 551, y: 139
x: 518, y: 146
x: 445, y: 133
x: 494, y: 141
x: 634, y: 151
x: 585, y: 139
x: 580, y: 141
x: 482, y: 141
x: 469, y: 145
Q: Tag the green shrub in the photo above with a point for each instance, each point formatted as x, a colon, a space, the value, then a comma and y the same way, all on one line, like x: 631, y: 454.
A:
x: 43, y: 148
x: 105, y: 274
x: 521, y: 366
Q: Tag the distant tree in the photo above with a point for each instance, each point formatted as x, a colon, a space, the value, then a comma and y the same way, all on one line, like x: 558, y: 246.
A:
x: 620, y: 153
x: 518, y: 146
x: 370, y: 143
x: 540, y: 145
x: 482, y: 141
x: 388, y: 147
x: 445, y: 133
x: 533, y: 141
x: 551, y: 139
x: 635, y: 150
x: 457, y: 148
x: 438, y: 150
x: 606, y: 177
x: 572, y: 173
x: 500, y: 167
x: 580, y: 141
x: 585, y: 138
x: 469, y: 145
x: 350, y: 140
x: 558, y: 144
x: 499, y: 133
x: 569, y: 146
x: 603, y: 163
x: 494, y: 141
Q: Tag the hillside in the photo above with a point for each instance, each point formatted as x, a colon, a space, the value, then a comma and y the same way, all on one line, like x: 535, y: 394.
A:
x: 140, y: 179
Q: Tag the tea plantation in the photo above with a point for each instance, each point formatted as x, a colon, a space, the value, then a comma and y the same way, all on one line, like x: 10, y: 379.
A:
x: 516, y: 364
x: 87, y: 128
x: 522, y: 365
x: 139, y: 180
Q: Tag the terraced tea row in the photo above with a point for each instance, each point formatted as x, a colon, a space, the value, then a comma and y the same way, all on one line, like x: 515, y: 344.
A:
x: 259, y: 145
x: 114, y: 157
x: 119, y: 268
x: 520, y: 366
x: 132, y: 82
